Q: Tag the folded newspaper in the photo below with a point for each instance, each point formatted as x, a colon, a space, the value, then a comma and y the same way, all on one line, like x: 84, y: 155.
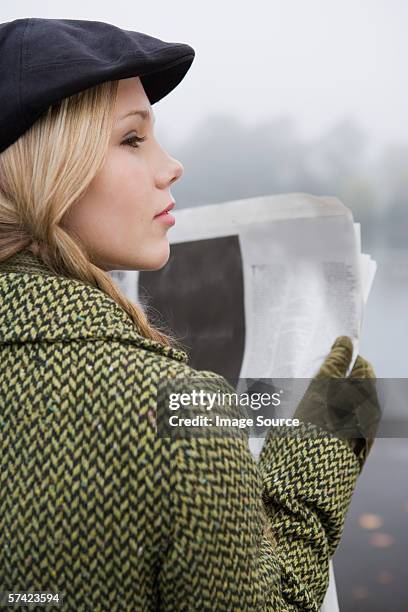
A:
x: 305, y: 278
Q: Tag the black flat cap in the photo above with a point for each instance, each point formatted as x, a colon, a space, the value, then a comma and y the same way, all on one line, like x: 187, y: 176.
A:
x: 45, y: 60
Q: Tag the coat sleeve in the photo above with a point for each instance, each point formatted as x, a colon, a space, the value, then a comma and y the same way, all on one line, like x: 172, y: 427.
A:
x: 254, y: 536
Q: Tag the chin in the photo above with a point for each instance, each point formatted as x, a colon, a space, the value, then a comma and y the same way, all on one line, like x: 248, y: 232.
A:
x: 157, y: 261
x: 152, y: 259
x: 154, y: 267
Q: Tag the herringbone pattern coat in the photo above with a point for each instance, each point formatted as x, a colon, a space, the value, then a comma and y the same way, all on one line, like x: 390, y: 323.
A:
x: 96, y: 506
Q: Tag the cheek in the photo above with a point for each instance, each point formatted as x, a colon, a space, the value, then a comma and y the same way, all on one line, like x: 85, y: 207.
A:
x: 126, y: 184
x: 122, y: 172
x: 114, y: 201
x: 117, y: 212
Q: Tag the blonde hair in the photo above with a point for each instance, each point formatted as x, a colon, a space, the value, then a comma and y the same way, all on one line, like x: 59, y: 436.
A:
x: 43, y: 173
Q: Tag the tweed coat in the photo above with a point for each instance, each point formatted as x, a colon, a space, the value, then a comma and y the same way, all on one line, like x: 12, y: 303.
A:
x: 94, y: 505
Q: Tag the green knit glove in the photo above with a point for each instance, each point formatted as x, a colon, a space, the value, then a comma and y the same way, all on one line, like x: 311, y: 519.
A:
x: 346, y: 407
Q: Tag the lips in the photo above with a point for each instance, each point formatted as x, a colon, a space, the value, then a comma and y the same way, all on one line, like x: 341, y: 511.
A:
x: 166, y: 210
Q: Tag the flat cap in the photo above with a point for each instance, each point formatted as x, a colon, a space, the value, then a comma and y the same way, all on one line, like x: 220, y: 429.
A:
x: 45, y: 60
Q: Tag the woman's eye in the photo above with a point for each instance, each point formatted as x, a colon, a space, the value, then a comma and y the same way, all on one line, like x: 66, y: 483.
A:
x: 133, y: 141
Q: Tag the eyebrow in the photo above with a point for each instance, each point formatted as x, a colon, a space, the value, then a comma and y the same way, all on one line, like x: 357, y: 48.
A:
x: 144, y: 114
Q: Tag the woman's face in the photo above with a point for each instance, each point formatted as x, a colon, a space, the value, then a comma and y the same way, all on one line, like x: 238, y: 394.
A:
x: 115, y: 217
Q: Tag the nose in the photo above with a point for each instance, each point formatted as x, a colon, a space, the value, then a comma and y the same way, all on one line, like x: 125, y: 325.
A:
x: 170, y: 170
x: 177, y: 170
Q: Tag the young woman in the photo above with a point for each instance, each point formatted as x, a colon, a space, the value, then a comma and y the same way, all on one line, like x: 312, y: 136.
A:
x: 95, y: 507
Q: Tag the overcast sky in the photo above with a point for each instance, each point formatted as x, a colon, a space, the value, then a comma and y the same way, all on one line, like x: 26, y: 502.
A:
x: 316, y: 61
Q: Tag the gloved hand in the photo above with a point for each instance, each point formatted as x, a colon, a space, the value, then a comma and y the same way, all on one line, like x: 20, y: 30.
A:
x: 346, y: 407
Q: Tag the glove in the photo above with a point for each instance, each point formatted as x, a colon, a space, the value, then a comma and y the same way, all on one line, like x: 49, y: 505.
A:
x: 346, y: 407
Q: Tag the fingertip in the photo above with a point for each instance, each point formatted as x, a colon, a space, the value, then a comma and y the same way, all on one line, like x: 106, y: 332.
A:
x: 343, y: 342
x: 362, y: 369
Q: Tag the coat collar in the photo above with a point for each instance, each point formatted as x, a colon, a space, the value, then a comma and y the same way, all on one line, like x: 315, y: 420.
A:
x: 37, y: 304
x: 25, y: 262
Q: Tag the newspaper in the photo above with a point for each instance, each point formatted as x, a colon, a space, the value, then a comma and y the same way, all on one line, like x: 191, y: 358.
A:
x: 305, y: 278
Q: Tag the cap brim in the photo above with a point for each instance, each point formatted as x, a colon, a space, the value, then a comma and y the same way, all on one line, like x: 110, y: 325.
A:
x: 159, y: 83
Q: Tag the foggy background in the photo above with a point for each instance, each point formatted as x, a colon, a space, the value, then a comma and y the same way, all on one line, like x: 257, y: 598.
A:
x: 285, y: 96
